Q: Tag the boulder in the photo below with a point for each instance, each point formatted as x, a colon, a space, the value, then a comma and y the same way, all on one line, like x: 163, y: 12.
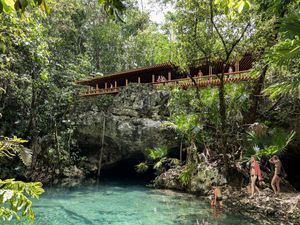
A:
x: 205, y: 175
x: 200, y: 182
x: 169, y: 179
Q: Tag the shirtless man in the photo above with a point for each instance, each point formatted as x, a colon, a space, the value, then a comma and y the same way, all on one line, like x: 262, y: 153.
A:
x: 217, y: 196
x: 254, y: 174
x: 277, y: 174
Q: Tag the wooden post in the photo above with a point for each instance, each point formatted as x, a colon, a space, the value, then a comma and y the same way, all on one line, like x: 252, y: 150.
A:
x: 116, y: 85
x: 153, y: 78
x: 169, y: 75
x: 97, y: 87
x: 139, y: 80
x: 210, y: 72
x: 237, y: 66
x: 126, y: 82
x: 105, y: 85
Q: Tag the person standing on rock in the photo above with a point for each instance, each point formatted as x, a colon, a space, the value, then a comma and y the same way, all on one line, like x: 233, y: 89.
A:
x: 275, y: 183
x: 255, y: 173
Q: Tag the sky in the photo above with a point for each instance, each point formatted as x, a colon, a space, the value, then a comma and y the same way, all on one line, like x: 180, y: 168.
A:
x: 157, y: 12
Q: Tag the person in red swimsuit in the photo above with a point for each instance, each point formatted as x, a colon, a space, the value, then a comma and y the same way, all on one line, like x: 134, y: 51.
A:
x: 255, y: 173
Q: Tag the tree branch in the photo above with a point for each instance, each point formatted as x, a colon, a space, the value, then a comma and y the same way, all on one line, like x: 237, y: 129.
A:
x: 238, y: 40
x: 196, y: 41
x: 215, y: 26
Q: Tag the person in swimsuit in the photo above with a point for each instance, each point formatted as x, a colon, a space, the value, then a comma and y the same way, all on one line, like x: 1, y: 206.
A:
x: 217, y: 199
x: 275, y: 183
x: 254, y: 174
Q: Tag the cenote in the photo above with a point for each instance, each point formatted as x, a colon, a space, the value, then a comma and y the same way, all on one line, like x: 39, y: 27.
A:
x: 126, y: 203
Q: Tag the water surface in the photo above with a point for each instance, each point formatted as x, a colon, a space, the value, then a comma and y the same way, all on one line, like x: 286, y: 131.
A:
x: 121, y: 204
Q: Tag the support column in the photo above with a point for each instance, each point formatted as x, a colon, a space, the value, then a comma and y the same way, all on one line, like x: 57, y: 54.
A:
x: 210, y: 69
x: 139, y: 80
x: 105, y: 85
x: 126, y: 82
x: 153, y: 78
x: 169, y: 75
x: 237, y: 66
x: 97, y: 87
x: 116, y: 85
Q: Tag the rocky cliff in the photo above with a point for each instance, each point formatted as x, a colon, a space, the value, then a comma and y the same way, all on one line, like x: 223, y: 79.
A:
x: 134, y: 122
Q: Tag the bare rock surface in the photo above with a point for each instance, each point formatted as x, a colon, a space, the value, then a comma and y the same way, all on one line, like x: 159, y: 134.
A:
x: 134, y: 122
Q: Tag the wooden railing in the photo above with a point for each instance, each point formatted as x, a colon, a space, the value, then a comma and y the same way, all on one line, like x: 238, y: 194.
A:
x: 203, y: 81
x: 103, y: 91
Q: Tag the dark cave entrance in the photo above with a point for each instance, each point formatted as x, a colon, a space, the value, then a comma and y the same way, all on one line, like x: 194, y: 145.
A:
x: 125, y: 170
x: 291, y: 164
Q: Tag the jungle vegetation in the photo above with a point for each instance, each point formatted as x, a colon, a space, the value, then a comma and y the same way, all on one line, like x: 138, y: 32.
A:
x: 46, y: 45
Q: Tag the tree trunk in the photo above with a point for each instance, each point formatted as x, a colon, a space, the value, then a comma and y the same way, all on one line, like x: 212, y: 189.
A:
x: 222, y: 111
x: 255, y: 97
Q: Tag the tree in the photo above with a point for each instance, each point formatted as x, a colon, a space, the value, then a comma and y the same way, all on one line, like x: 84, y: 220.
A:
x: 111, y: 7
x: 213, y: 32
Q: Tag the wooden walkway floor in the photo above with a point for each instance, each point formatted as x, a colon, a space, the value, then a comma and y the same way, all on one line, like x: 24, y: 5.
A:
x: 185, y: 83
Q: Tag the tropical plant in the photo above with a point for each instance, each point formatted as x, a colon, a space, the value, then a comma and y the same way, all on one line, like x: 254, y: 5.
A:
x: 9, y: 6
x: 186, y: 175
x: 14, y: 198
x: 274, y: 142
x: 157, y: 153
x: 141, y: 167
x: 156, y: 158
x: 9, y: 147
x: 14, y: 195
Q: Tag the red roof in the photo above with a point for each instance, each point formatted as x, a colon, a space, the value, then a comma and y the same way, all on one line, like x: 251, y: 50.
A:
x: 128, y: 73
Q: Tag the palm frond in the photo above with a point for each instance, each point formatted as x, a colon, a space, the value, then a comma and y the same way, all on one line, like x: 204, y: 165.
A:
x: 141, y: 167
x: 157, y: 153
x: 283, y: 88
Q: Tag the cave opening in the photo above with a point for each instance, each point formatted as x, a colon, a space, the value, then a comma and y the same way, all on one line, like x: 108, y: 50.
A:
x: 125, y: 170
x: 291, y: 165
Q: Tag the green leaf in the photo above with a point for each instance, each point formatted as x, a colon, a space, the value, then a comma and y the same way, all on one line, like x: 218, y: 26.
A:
x: 44, y: 7
x: 8, y: 6
x: 241, y: 5
x: 141, y: 168
x: 44, y: 75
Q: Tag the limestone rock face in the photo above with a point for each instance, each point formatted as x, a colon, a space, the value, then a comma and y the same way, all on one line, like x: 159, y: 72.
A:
x: 205, y: 175
x: 169, y: 179
x: 200, y: 182
x: 134, y: 122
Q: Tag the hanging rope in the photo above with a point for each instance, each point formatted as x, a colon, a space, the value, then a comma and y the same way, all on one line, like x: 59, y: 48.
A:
x: 101, y: 149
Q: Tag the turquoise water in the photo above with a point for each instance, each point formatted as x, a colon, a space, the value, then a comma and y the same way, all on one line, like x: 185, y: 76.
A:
x: 122, y: 204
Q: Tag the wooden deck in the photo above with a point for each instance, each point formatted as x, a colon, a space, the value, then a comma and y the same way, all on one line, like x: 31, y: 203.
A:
x: 185, y: 83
